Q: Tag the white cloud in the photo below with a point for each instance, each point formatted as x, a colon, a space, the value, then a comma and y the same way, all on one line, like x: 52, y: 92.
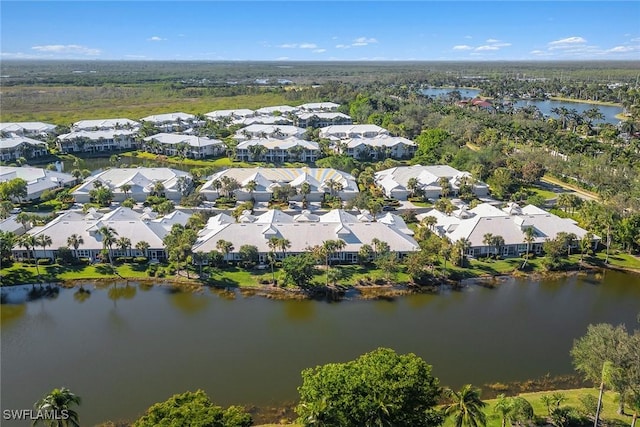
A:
x: 501, y: 44
x: 155, y: 39
x: 67, y: 49
x: 365, y: 40
x: 342, y: 46
x: 462, y: 47
x: 282, y: 58
x: 566, y: 42
x: 621, y: 49
x: 468, y: 37
x: 319, y: 50
x: 298, y: 46
x: 492, y: 41
x: 486, y: 47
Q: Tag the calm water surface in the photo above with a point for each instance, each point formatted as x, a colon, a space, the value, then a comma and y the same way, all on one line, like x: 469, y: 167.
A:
x: 127, y: 346
x: 545, y: 106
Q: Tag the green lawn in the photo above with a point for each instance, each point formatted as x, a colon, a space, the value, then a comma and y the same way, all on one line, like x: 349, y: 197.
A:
x: 222, y: 162
x: 540, y: 410
x: 20, y: 273
x: 541, y: 192
x: 620, y: 259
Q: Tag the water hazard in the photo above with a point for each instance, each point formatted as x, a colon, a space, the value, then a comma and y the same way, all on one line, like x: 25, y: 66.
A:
x: 125, y: 346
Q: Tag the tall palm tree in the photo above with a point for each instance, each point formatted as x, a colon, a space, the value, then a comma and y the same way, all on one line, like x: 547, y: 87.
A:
x: 487, y: 240
x: 75, y: 240
x: 462, y: 246
x: 59, y: 400
x: 28, y: 241
x: 466, y: 407
x: 529, y: 237
x: 143, y: 247
x: 108, y: 239
x: 225, y: 247
x: 124, y: 244
x: 44, y: 241
x: 284, y: 244
x: 251, y: 187
x: 125, y: 189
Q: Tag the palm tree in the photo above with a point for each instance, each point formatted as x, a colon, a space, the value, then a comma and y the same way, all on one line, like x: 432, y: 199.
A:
x: 125, y: 189
x: 273, y: 243
x: 462, y: 246
x: 284, y: 244
x: 44, y: 241
x: 466, y: 407
x: 124, y: 243
x: 529, y: 237
x: 412, y: 185
x: 57, y: 401
x: 251, y: 187
x: 28, y: 241
x: 429, y: 221
x: 585, y: 244
x: 497, y: 242
x: 75, y: 240
x: 143, y: 247
x: 444, y: 186
x: 225, y: 247
x: 108, y: 239
x: 487, y: 240
x: 504, y: 406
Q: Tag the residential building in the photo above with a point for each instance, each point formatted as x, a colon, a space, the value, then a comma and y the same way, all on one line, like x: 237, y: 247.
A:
x: 395, y: 181
x: 510, y: 223
x: 264, y: 120
x: 11, y: 225
x: 304, y: 231
x: 92, y: 141
x: 30, y: 129
x: 105, y: 124
x: 317, y: 107
x: 320, y: 180
x: 136, y: 226
x: 276, y: 110
x: 38, y: 180
x: 268, y: 131
x: 138, y: 182
x: 321, y: 119
x: 352, y: 131
x: 172, y: 122
x: 278, y: 150
x: 376, y: 148
x: 14, y: 146
x: 191, y: 146
x: 230, y: 115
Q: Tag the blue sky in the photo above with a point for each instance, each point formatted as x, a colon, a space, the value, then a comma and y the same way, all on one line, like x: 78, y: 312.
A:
x: 325, y: 30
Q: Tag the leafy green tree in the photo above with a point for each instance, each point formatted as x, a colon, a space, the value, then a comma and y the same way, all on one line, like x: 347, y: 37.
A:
x: 248, y: 255
x: 75, y: 240
x: 193, y: 409
x: 59, y: 400
x: 466, y: 407
x: 8, y: 241
x: 298, y: 269
x: 607, y: 344
x: 378, y: 388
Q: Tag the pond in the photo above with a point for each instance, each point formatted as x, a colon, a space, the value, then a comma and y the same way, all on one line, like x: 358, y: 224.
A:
x: 545, y: 106
x: 126, y: 346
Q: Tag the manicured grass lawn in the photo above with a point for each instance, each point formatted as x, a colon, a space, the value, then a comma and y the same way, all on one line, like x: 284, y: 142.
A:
x: 235, y: 276
x: 541, y: 191
x: 222, y: 162
x: 20, y: 273
x: 620, y: 259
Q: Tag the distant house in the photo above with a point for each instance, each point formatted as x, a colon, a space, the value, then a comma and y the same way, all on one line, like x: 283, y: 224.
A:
x: 321, y: 119
x: 30, y: 129
x: 172, y: 122
x: 264, y: 120
x: 268, y: 131
x: 352, y: 131
x: 321, y: 181
x: 14, y: 146
x: 376, y: 148
x: 11, y: 225
x: 317, y: 107
x: 230, y: 115
x: 303, y: 231
x: 276, y: 110
x: 278, y: 150
x: 190, y: 146
x: 510, y: 223
x: 137, y: 226
x: 92, y: 141
x: 105, y: 124
x: 395, y: 181
x: 38, y: 180
x: 138, y: 182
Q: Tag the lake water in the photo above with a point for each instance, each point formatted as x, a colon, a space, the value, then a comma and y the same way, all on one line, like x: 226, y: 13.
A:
x: 128, y: 346
x: 545, y: 106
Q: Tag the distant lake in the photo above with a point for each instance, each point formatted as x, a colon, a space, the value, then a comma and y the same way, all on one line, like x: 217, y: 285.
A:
x: 127, y: 346
x: 545, y: 106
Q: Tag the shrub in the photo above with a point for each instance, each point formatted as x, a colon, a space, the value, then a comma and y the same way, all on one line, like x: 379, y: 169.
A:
x: 124, y: 259
x: 44, y: 261
x: 60, y: 261
x: 140, y: 260
x: 85, y: 261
